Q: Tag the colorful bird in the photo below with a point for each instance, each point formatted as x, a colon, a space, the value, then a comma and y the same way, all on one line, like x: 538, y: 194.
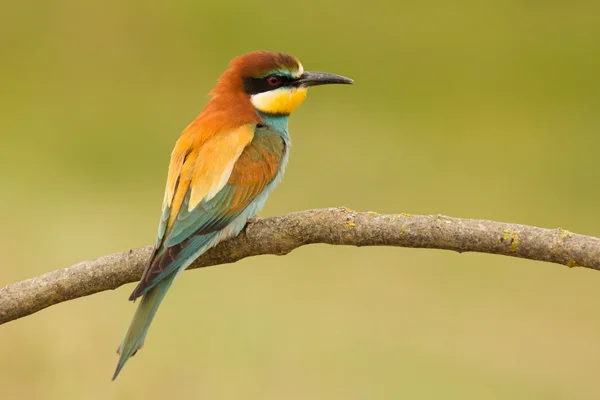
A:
x: 222, y: 169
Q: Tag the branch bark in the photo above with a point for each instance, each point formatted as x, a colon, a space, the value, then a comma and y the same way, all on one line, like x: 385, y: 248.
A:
x: 282, y: 234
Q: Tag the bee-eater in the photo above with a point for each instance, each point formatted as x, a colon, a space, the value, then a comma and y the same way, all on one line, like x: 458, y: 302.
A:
x: 222, y: 169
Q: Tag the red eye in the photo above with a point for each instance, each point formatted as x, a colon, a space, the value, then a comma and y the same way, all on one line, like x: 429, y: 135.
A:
x: 273, y: 80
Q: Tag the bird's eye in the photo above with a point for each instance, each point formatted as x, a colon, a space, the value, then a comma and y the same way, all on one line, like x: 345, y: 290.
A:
x: 273, y: 80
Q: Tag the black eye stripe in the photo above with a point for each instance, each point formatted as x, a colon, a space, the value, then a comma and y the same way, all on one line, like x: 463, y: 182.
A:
x: 260, y: 85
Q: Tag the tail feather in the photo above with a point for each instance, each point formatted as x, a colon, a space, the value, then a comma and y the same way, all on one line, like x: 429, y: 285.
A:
x: 136, y: 333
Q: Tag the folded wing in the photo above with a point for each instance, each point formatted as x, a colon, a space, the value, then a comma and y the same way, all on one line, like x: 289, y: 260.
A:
x: 208, y: 186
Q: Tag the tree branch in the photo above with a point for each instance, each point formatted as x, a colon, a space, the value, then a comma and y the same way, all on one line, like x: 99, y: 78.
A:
x: 282, y: 234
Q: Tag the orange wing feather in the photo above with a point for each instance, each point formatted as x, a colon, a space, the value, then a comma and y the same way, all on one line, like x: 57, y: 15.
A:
x: 254, y: 169
x: 214, y: 163
x: 203, y: 168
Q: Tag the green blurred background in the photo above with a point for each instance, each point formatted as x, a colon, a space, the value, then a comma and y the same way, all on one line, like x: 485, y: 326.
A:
x: 471, y: 109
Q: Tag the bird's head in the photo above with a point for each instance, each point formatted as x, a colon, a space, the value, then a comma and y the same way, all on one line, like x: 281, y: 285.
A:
x: 275, y: 83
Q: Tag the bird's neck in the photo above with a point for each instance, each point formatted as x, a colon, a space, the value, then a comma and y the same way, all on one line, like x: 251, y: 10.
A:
x: 277, y: 122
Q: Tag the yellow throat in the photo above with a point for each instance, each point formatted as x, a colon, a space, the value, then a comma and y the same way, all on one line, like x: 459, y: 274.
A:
x: 280, y: 101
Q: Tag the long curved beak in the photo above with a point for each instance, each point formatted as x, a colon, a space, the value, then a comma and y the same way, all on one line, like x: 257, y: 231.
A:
x: 321, y: 78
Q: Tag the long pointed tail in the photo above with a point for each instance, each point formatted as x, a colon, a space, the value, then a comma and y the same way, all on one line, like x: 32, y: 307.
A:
x: 136, y: 333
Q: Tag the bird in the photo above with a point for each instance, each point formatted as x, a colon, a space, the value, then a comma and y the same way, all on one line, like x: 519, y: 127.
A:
x: 222, y: 169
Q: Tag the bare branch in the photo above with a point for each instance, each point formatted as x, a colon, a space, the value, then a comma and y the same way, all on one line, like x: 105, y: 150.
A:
x: 282, y: 234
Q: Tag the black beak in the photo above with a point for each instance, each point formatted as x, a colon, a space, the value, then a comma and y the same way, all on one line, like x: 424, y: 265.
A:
x: 320, y: 78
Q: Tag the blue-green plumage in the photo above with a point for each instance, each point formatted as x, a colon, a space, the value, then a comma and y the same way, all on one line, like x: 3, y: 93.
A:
x: 134, y: 338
